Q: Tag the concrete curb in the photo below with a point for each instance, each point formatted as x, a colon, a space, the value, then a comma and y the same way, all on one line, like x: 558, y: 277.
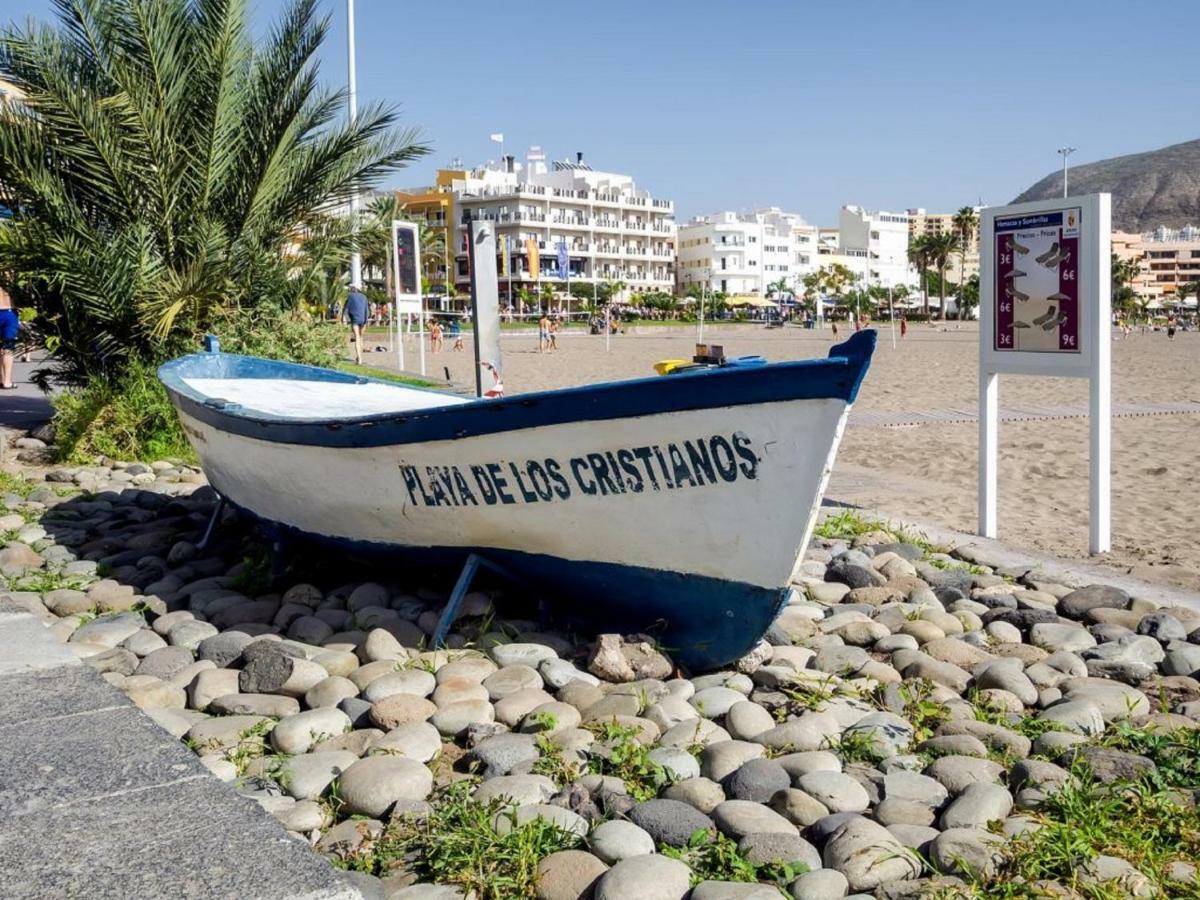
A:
x: 985, y: 551
x: 97, y: 801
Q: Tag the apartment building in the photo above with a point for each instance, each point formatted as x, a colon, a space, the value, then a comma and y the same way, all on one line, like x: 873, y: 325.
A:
x: 746, y: 253
x: 878, y: 240
x: 1169, y: 258
x: 922, y: 223
x: 434, y: 206
x: 613, y: 230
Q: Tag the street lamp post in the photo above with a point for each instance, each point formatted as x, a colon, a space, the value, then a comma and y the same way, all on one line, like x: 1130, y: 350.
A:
x: 1064, y: 152
x: 352, y: 101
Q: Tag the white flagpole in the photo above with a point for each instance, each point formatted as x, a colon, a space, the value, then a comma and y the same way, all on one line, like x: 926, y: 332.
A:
x: 352, y: 101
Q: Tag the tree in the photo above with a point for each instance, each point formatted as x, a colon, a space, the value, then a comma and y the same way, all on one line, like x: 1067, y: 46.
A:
x: 968, y: 297
x: 778, y: 287
x: 941, y: 247
x: 966, y: 226
x: 920, y: 255
x: 160, y: 165
x: 1124, y: 273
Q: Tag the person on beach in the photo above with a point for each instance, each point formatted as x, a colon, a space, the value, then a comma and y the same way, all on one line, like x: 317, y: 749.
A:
x: 554, y: 326
x: 456, y: 333
x: 833, y: 325
x: 10, y: 328
x: 1172, y: 324
x: 356, y: 311
x: 543, y: 333
x: 903, y: 328
x: 436, y: 342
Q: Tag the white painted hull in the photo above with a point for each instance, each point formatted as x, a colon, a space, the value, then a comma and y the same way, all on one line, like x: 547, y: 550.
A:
x: 750, y: 528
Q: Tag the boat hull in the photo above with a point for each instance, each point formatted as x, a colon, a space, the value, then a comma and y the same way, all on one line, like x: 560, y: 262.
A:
x: 686, y: 523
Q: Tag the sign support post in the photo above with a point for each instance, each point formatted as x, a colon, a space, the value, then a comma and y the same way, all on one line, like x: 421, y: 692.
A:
x: 406, y: 257
x: 1045, y: 310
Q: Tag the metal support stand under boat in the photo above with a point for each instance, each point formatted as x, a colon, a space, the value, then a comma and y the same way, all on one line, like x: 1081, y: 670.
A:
x: 212, y: 523
x: 450, y: 613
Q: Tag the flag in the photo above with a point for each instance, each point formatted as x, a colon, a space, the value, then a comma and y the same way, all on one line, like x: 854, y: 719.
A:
x: 531, y: 249
x: 498, y: 138
x: 504, y: 255
x: 564, y: 266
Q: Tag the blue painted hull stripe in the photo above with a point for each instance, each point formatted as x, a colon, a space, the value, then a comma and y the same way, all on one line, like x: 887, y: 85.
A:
x: 703, y: 623
x: 837, y: 377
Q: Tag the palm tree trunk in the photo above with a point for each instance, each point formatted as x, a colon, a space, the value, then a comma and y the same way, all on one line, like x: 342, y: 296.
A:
x: 925, y: 290
x: 942, y: 292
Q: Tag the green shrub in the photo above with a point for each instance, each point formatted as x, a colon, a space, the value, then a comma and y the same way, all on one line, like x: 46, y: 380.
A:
x: 131, y: 419
x: 272, y: 332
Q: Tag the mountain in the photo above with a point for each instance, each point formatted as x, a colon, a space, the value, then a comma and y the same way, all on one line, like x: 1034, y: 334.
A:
x: 1160, y: 187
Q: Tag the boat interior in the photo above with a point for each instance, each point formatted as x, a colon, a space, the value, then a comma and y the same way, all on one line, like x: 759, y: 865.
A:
x: 290, y: 398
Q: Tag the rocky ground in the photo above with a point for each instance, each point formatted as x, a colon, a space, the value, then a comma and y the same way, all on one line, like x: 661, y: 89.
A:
x: 915, y: 724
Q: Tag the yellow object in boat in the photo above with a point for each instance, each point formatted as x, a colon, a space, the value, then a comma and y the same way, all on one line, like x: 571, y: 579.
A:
x: 667, y: 366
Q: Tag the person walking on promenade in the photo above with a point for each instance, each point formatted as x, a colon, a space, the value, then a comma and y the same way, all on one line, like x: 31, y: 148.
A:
x: 903, y: 327
x: 543, y: 333
x: 10, y: 327
x: 356, y: 311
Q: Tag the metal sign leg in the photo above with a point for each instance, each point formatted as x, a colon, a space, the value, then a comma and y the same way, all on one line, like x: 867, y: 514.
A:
x: 212, y: 523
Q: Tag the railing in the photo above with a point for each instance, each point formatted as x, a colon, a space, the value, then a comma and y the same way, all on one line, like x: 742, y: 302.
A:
x: 602, y: 222
x: 663, y: 204
x: 661, y: 228
x: 578, y: 222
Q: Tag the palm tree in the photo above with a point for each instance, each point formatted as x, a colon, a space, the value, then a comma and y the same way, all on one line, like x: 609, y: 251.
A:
x: 778, y: 287
x: 966, y: 225
x: 160, y: 165
x: 941, y: 247
x: 919, y: 255
x: 1124, y: 273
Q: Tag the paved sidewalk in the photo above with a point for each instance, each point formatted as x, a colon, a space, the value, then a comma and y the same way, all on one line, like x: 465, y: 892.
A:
x: 26, y: 407
x: 98, y: 802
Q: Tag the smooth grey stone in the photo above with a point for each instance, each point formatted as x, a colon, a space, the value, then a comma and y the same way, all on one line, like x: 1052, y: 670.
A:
x: 670, y: 822
x: 701, y: 793
x: 837, y: 791
x: 651, y: 877
x: 758, y: 780
x: 616, y: 840
x: 224, y: 649
x: 738, y: 818
x: 977, y: 805
x: 820, y: 884
x: 970, y: 852
x: 499, y: 755
x: 869, y: 855
x: 762, y: 849
x: 374, y: 785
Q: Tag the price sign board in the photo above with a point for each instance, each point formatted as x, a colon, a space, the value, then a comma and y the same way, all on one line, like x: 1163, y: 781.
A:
x: 1044, y: 294
x: 1045, y: 309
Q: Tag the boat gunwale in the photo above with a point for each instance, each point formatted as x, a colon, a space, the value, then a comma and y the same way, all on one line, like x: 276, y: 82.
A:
x: 838, y: 376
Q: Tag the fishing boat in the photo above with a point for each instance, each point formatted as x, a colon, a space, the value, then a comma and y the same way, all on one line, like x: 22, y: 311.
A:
x: 677, y: 505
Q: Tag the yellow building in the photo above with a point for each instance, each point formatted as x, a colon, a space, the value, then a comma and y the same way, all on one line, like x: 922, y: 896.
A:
x: 434, y: 206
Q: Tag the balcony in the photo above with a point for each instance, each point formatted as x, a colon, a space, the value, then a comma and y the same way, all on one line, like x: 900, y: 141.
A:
x: 599, y: 197
x: 634, y: 225
x: 572, y: 221
x: 662, y: 204
x: 608, y: 249
x: 662, y: 228
x: 657, y: 251
x: 603, y: 222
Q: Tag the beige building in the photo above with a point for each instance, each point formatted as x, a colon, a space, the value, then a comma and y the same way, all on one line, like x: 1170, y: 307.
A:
x: 927, y: 224
x: 1169, y: 260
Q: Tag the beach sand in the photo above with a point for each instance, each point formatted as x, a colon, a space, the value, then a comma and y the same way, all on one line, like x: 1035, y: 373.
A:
x: 928, y: 472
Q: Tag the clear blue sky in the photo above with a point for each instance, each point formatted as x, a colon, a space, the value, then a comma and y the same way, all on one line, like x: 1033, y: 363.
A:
x: 767, y: 102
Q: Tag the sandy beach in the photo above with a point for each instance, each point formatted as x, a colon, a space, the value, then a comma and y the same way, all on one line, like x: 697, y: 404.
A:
x: 928, y: 472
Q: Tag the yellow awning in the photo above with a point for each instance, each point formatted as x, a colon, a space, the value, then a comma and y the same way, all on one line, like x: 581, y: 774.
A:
x: 749, y: 300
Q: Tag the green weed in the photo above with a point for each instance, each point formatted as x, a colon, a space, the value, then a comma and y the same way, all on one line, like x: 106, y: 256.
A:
x: 716, y: 858
x: 459, y: 844
x: 628, y: 760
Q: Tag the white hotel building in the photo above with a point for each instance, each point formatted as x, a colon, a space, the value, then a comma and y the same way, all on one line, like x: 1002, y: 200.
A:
x: 614, y: 231
x: 746, y: 253
x: 875, y: 244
